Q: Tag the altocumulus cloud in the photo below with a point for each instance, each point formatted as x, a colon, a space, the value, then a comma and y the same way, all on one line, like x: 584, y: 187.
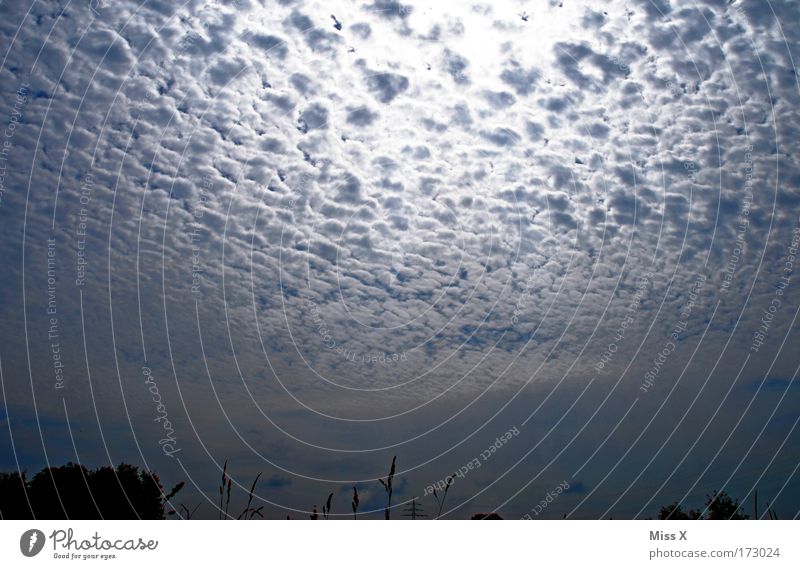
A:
x: 305, y: 226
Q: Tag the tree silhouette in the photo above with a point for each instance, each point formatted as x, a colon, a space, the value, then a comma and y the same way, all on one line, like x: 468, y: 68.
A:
x: 675, y: 512
x: 718, y: 506
x: 13, y: 496
x: 72, y: 491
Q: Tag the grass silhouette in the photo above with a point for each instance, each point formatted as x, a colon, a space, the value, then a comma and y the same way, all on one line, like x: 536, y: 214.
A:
x: 387, y: 486
x: 355, y: 503
x: 440, y: 503
x: 225, y: 488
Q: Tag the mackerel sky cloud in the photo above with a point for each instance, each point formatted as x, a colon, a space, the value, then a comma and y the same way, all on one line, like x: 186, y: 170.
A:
x: 336, y: 232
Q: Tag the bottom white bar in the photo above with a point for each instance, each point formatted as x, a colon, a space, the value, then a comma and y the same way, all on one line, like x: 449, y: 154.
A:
x: 361, y: 543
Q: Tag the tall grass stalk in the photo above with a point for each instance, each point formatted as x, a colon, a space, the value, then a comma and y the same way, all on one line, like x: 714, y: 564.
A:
x: 222, y: 489
x: 387, y: 486
x: 326, y: 509
x: 444, y: 496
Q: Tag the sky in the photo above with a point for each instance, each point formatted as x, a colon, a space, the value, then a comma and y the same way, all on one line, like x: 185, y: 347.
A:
x: 543, y: 245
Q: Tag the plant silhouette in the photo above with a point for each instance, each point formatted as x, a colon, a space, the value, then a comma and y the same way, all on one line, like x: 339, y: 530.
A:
x: 354, y: 504
x: 249, y: 511
x: 73, y: 491
x: 439, y: 502
x: 326, y: 509
x: 387, y: 486
x: 225, y: 488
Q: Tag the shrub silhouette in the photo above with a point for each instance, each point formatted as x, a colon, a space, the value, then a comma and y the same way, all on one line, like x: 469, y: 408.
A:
x: 72, y: 491
x: 486, y: 516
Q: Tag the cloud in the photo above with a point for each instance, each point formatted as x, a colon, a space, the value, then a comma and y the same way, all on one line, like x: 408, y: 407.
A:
x: 361, y: 116
x: 314, y: 117
x: 362, y: 30
x: 501, y: 137
x: 521, y: 80
x: 272, y: 45
x: 386, y: 86
x: 389, y: 9
x: 456, y: 67
x: 277, y: 482
x: 499, y: 99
